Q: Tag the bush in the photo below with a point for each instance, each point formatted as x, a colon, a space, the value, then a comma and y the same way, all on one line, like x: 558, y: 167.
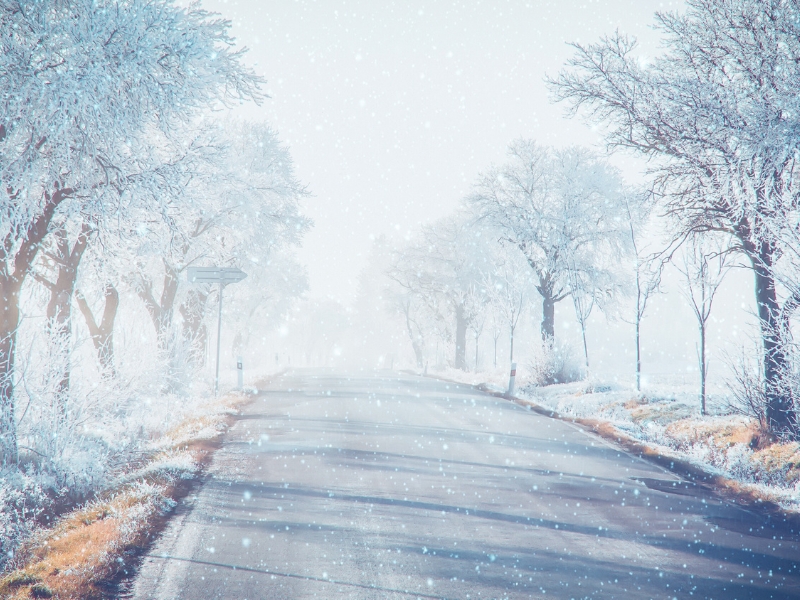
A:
x: 555, y: 363
x: 22, y: 500
x: 748, y: 394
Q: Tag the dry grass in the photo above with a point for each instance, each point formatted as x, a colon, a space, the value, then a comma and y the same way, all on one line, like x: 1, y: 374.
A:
x: 722, y: 433
x: 72, y: 559
x: 778, y: 457
x: 731, y: 453
x: 662, y: 413
x: 91, y: 546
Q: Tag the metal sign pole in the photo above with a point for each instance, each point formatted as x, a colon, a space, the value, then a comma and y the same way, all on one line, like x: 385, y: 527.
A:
x: 219, y: 331
x: 223, y: 276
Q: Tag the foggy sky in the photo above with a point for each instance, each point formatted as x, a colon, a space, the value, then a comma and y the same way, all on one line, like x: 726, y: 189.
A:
x: 391, y: 109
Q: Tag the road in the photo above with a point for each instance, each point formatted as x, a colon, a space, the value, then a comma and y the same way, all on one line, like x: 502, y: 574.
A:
x: 385, y: 485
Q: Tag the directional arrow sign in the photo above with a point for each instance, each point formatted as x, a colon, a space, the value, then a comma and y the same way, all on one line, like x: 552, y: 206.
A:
x: 223, y: 275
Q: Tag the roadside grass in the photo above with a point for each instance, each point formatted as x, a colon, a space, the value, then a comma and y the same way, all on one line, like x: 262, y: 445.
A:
x: 732, y: 449
x: 90, y: 547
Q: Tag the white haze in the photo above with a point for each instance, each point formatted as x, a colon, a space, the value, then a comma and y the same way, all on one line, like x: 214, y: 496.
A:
x: 392, y: 109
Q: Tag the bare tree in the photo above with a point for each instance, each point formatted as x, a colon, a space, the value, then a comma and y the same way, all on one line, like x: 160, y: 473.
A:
x: 647, y: 269
x: 510, y: 286
x: 704, y: 266
x: 561, y: 209
x: 717, y: 115
x: 78, y: 127
x: 442, y: 268
x: 476, y: 326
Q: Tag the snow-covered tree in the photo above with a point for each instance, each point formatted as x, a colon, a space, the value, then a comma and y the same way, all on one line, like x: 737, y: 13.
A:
x: 239, y: 209
x: 510, y: 288
x: 563, y: 210
x: 442, y: 269
x: 99, y: 89
x: 717, y: 114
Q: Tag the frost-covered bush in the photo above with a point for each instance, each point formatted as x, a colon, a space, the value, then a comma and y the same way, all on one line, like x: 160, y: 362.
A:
x: 748, y: 395
x: 22, y: 500
x: 554, y: 363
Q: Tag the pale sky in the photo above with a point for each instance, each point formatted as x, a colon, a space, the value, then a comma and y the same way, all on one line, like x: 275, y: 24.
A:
x: 391, y: 109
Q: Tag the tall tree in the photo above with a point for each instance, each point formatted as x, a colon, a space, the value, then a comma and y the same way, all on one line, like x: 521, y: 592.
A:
x: 99, y: 89
x: 647, y: 268
x: 562, y: 209
x: 718, y: 115
x: 442, y: 268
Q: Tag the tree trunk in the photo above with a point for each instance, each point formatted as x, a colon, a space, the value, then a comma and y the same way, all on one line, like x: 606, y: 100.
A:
x: 102, y: 334
x: 476, y: 351
x: 511, y: 352
x: 193, y: 311
x: 638, y: 352
x: 161, y: 312
x: 548, y: 317
x: 14, y: 268
x: 9, y: 321
x: 779, y: 409
x: 461, y: 339
x: 59, y: 308
x: 585, y: 346
x: 703, y: 368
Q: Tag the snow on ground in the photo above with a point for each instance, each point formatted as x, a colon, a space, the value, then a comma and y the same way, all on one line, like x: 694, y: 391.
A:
x: 125, y: 508
x: 666, y: 417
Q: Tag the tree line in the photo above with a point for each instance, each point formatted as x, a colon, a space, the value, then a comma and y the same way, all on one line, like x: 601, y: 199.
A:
x: 119, y: 170
x: 716, y: 116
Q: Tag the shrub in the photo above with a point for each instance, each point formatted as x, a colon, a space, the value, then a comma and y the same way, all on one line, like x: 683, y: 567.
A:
x: 748, y: 395
x: 555, y: 363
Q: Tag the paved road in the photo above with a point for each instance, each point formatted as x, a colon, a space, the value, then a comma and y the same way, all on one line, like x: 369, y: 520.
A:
x: 380, y: 485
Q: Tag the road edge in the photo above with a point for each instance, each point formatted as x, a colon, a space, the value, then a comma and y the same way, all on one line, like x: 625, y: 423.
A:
x: 726, y: 488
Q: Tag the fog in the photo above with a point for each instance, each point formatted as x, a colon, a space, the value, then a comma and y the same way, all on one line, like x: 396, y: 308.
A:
x: 391, y: 110
x: 224, y: 221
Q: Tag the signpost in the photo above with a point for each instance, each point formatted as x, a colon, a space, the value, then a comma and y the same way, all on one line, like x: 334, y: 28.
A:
x: 223, y: 276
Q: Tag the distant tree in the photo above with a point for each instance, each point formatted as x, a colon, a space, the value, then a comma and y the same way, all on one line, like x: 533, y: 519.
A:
x: 510, y: 286
x: 717, y: 114
x: 240, y: 209
x: 476, y: 326
x: 442, y: 269
x: 647, y: 270
x: 385, y: 312
x: 98, y: 87
x: 562, y: 209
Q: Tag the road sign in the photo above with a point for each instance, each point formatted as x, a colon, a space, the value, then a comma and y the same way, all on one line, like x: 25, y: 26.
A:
x: 223, y: 275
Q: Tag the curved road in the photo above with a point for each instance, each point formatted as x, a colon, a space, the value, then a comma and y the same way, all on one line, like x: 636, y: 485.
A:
x: 382, y: 485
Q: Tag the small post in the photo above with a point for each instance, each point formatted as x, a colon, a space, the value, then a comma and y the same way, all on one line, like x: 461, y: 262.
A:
x: 240, y: 372
x: 512, y: 378
x: 219, y: 331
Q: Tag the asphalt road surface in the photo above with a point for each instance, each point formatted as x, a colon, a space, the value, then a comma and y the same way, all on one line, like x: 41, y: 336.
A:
x: 385, y: 485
